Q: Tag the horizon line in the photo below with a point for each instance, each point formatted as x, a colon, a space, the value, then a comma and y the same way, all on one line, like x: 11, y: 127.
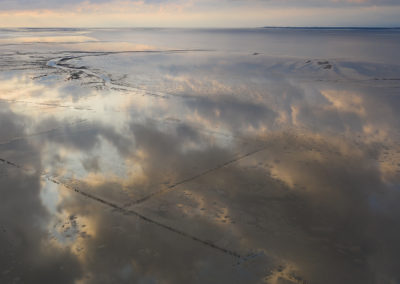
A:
x: 172, y: 27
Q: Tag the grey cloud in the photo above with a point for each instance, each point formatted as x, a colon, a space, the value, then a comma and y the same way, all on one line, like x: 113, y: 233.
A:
x: 24, y: 218
x: 311, y: 204
x: 321, y: 3
x: 233, y: 113
x: 24, y: 254
x: 11, y: 125
x: 56, y: 4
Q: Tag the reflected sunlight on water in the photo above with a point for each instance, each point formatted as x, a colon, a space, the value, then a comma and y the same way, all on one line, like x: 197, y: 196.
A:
x: 147, y: 158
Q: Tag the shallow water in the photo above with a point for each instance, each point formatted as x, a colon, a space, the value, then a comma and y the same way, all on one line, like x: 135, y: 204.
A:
x: 199, y: 156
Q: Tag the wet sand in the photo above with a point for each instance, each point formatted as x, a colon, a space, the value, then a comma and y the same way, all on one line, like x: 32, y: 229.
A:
x: 182, y: 156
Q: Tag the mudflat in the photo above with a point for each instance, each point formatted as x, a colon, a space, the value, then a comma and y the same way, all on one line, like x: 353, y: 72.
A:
x: 199, y: 155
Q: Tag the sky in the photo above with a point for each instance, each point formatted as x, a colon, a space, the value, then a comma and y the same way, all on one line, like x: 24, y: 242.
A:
x: 198, y: 13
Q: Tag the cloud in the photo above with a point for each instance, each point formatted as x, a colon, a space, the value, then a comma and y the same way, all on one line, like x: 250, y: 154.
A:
x: 313, y: 203
x: 318, y: 3
x: 57, y: 4
x: 200, y: 5
x: 23, y: 219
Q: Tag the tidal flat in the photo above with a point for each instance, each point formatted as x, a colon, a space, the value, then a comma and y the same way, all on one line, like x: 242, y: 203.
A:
x: 267, y: 155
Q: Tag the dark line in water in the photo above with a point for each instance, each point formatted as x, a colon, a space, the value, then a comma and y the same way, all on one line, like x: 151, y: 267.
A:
x: 134, y: 213
x: 42, y: 132
x: 10, y: 163
x: 60, y: 63
x: 144, y: 218
x: 46, y: 104
x: 173, y: 186
x: 208, y: 131
x: 65, y: 66
x: 102, y: 53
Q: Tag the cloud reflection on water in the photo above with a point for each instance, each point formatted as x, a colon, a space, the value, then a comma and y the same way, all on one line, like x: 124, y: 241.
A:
x: 292, y: 163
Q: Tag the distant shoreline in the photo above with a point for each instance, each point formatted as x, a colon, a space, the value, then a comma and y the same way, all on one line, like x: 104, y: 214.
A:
x: 203, y: 28
x: 334, y: 28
